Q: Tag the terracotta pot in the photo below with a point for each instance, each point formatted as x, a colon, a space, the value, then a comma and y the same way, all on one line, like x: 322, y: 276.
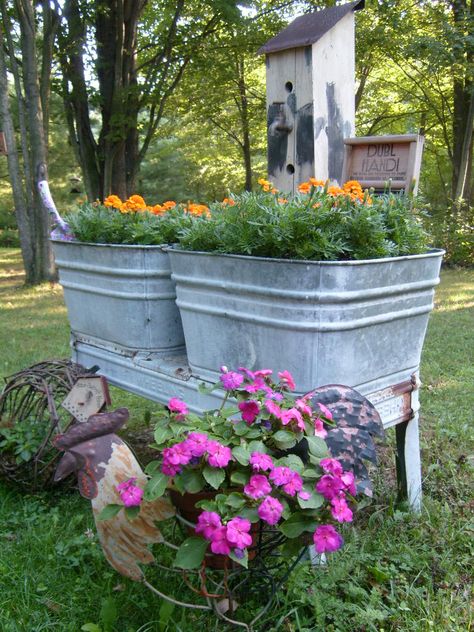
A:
x: 186, y: 506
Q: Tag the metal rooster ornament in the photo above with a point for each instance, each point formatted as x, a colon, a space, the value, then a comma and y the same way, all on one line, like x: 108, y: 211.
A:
x: 102, y: 461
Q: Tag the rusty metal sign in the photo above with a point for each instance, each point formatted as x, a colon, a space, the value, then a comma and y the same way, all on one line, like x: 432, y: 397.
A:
x: 88, y: 396
x: 3, y: 144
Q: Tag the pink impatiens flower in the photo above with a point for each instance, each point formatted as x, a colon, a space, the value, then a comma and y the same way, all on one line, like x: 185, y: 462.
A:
x: 258, y: 384
x: 208, y: 522
x: 325, y: 410
x: 287, y: 379
x: 175, y: 405
x: 219, y: 543
x: 281, y: 475
x: 219, y: 455
x: 238, y: 533
x: 349, y: 482
x: 340, y: 510
x: 331, y: 466
x: 231, y: 380
x: 319, y: 429
x: 260, y: 461
x: 270, y: 510
x: 302, y: 406
x: 294, y: 485
x: 329, y: 486
x: 257, y: 487
x: 327, y: 539
x: 197, y: 443
x: 250, y: 410
x: 292, y: 414
x: 130, y: 494
x: 273, y: 408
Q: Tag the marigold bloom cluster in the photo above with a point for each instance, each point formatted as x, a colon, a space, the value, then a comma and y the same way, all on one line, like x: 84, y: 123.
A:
x: 136, y: 204
x: 351, y: 189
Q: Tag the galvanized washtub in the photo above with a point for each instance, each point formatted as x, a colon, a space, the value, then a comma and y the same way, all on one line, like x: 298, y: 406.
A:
x: 345, y: 322
x: 120, y: 294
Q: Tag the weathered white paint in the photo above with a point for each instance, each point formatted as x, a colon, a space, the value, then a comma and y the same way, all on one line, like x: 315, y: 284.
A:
x: 300, y: 78
x: 333, y: 64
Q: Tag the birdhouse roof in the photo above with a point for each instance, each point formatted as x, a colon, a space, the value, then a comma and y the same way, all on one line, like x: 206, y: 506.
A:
x: 309, y: 28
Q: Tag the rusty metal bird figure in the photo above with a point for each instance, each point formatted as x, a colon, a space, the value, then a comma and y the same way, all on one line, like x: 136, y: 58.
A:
x: 103, y: 461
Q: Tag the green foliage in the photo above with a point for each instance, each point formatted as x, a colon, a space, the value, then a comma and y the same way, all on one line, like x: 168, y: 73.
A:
x: 22, y: 440
x: 455, y: 233
x: 313, y: 227
x: 94, y: 223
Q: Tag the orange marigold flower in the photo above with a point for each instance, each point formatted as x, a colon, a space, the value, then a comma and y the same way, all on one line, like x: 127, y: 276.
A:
x: 317, y: 183
x: 317, y: 205
x: 283, y: 200
x: 265, y: 184
x: 304, y: 187
x: 335, y: 191
x: 228, y: 202
x: 114, y: 201
x: 198, y: 209
x: 169, y: 205
x: 158, y: 209
x: 135, y: 203
x: 274, y: 191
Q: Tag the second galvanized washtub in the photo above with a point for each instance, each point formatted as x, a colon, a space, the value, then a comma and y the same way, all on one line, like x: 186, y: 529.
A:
x: 346, y: 322
x: 120, y: 294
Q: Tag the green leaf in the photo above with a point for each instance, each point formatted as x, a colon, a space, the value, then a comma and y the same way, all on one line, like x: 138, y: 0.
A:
x: 151, y: 467
x: 257, y: 446
x: 241, y: 429
x: 310, y: 473
x: 108, y: 613
x: 132, y: 512
x: 243, y: 561
x: 205, y: 389
x: 296, y: 524
x: 109, y: 511
x: 241, y: 454
x: 162, y: 434
x: 191, y: 553
x: 156, y: 486
x: 179, y: 484
x: 91, y: 627
x: 239, y: 477
x: 314, y: 502
x: 317, y: 447
x: 292, y: 461
x: 235, y: 500
x: 214, y: 476
x: 206, y: 505
x: 284, y: 439
x: 250, y: 514
x: 192, y: 480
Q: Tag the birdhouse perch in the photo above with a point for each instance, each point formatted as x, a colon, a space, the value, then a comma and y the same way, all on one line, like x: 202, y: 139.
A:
x: 310, y: 96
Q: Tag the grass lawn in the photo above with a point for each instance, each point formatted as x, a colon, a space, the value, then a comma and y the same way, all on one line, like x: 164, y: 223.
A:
x: 398, y: 571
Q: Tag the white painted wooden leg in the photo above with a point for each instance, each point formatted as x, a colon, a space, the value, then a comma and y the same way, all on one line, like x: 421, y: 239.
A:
x: 413, y: 463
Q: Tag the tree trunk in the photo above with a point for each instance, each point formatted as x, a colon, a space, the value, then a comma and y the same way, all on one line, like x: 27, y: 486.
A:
x: 244, y: 117
x: 14, y: 170
x: 44, y: 268
x: 463, y: 95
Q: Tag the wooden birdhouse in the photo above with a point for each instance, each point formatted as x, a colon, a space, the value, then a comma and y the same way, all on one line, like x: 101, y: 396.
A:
x: 310, y: 96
